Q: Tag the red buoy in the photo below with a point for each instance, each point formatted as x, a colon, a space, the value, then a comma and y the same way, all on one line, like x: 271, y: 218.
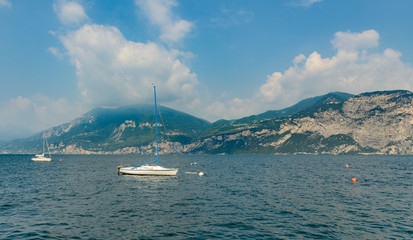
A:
x: 346, y: 165
x: 353, y: 179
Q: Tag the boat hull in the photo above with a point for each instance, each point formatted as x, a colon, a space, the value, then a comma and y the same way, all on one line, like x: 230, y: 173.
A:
x: 43, y: 159
x: 149, y: 171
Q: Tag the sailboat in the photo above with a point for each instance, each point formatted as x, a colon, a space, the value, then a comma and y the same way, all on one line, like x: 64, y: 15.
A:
x: 41, y: 157
x: 152, y: 167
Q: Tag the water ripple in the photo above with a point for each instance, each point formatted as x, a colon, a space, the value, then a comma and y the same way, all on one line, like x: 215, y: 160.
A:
x: 240, y: 197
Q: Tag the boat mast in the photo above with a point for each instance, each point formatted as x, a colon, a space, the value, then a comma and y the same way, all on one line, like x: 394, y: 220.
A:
x: 156, y: 126
x: 43, y: 141
x: 47, y: 145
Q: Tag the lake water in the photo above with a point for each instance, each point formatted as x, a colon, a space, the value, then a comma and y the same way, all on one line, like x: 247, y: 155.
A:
x: 239, y: 197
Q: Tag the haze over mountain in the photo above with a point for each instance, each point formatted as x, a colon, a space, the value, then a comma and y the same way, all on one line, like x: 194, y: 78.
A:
x: 335, y: 123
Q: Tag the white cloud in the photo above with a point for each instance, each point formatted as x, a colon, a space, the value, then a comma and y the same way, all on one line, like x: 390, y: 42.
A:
x: 172, y: 28
x: 217, y: 110
x: 303, y: 3
x: 272, y: 88
x: 232, y: 109
x: 240, y: 107
x: 56, y: 52
x: 299, y: 59
x: 349, y: 41
x: 5, y: 3
x: 26, y: 116
x: 352, y: 69
x: 114, y: 71
x: 70, y: 12
x: 176, y: 31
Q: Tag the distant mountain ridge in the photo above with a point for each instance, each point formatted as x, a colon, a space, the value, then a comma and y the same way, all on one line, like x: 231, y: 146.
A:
x: 305, y: 104
x: 335, y: 123
x: 114, y: 130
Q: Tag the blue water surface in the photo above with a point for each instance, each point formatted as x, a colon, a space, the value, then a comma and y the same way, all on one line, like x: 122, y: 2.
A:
x: 239, y: 197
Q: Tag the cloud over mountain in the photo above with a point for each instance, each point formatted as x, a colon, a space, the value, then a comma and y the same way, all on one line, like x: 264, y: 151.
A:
x: 352, y: 67
x: 114, y: 71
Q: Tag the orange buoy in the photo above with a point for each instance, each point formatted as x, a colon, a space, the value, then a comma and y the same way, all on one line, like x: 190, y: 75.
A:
x: 346, y: 165
x: 353, y: 179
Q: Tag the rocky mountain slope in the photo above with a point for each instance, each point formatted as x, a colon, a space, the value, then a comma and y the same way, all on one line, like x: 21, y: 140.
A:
x: 369, y: 123
x: 335, y: 123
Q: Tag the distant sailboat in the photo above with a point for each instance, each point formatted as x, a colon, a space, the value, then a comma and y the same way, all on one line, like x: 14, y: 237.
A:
x: 150, y: 168
x: 41, y: 157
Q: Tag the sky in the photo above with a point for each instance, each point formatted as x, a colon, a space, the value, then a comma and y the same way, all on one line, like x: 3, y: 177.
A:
x: 210, y: 58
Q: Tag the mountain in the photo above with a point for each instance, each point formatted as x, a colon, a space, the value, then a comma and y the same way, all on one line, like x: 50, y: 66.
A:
x: 335, y: 123
x: 115, y: 130
x: 369, y: 123
x: 306, y: 104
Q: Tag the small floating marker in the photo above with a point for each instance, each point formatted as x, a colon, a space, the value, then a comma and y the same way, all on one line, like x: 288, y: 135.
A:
x: 346, y: 165
x: 353, y: 179
x: 201, y: 174
x: 60, y: 159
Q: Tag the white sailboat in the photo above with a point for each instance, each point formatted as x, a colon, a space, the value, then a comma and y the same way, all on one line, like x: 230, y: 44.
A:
x: 41, y: 157
x: 152, y: 167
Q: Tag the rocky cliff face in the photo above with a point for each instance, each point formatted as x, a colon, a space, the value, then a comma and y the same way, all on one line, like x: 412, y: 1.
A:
x: 370, y: 123
x: 381, y: 121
